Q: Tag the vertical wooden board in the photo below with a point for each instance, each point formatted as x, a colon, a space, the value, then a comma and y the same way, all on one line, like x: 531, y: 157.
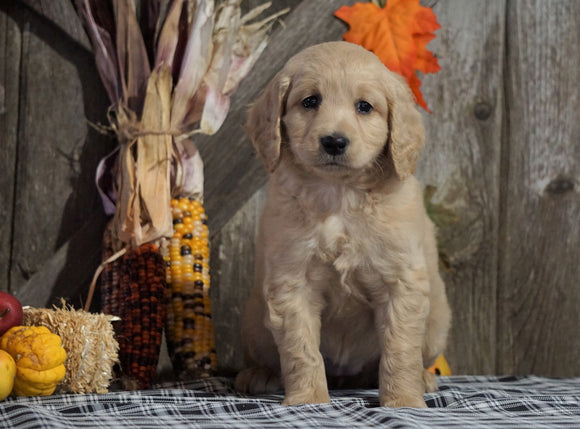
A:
x: 67, y: 273
x: 462, y: 160
x: 10, y: 41
x: 540, y: 247
x: 57, y: 152
x: 232, y: 277
x: 61, y: 14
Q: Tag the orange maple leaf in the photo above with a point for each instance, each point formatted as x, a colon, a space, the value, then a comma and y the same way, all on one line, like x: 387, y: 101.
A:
x: 398, y: 34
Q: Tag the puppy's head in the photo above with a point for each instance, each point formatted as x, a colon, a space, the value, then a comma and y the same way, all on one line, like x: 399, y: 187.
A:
x: 340, y: 112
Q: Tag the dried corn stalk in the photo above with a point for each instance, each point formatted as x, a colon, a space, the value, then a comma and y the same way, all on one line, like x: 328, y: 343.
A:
x: 200, y: 51
x: 91, y: 347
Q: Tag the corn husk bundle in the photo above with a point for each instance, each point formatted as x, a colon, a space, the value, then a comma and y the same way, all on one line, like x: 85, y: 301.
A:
x: 169, y: 69
x: 90, y: 344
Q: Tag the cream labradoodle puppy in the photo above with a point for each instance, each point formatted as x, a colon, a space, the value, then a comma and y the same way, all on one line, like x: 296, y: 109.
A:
x: 347, y: 282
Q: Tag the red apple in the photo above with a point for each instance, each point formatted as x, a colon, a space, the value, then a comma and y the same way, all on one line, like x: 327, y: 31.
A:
x: 10, y: 312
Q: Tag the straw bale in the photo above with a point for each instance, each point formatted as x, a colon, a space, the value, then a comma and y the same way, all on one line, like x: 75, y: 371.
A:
x: 89, y: 341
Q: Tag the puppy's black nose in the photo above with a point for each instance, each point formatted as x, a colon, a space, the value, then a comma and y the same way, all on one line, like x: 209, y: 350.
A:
x: 334, y: 144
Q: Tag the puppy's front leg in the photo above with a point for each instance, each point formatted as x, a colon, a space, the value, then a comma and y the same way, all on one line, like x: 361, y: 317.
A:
x: 401, y: 328
x: 294, y: 319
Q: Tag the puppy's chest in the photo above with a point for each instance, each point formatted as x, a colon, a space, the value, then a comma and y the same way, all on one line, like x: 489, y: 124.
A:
x: 343, y: 253
x: 333, y: 238
x: 341, y: 243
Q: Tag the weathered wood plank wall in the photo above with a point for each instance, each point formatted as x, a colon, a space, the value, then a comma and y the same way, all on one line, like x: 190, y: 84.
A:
x: 539, y: 252
x: 462, y: 159
x: 55, y: 212
x: 502, y: 152
x: 10, y: 40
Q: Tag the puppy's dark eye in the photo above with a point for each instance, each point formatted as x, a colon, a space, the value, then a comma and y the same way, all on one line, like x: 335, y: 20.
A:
x: 311, y: 102
x: 363, y: 107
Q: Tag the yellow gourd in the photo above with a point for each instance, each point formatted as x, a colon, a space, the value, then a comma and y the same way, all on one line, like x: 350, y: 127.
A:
x: 7, y: 374
x: 39, y: 358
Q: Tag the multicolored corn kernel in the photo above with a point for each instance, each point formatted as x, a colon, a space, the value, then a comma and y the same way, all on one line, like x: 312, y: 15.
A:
x: 133, y: 288
x: 189, y: 328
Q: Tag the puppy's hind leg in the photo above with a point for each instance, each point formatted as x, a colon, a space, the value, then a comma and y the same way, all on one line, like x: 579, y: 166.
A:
x: 430, y: 381
x: 437, y: 328
x: 262, y: 374
x: 258, y: 380
x: 437, y: 323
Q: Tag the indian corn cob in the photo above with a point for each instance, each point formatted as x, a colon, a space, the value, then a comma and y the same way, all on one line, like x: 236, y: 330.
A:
x: 189, y: 328
x: 133, y: 288
x: 109, y: 279
x: 142, y: 312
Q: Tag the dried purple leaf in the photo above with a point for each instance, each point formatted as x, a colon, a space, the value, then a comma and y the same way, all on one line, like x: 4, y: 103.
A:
x: 105, y: 53
x: 196, y: 60
x: 131, y: 54
x: 169, y: 36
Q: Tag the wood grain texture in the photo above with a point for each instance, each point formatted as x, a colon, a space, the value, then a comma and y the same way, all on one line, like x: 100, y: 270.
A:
x: 233, y: 172
x: 10, y: 41
x: 57, y: 150
x: 62, y: 15
x: 461, y: 159
x: 68, y: 272
x: 232, y: 277
x: 539, y: 307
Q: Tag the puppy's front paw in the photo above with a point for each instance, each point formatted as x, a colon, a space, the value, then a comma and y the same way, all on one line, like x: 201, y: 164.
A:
x: 403, y: 401
x: 257, y: 380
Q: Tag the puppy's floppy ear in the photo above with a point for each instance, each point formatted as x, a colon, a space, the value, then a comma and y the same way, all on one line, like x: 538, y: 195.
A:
x: 264, y: 117
x: 406, y: 133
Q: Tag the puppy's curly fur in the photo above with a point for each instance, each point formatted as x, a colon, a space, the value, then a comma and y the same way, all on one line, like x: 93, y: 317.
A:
x: 347, y: 282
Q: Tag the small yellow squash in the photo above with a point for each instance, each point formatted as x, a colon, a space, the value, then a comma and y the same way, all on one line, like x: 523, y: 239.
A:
x: 7, y: 374
x: 39, y: 358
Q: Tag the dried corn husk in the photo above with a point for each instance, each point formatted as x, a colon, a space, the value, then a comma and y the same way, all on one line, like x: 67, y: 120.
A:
x: 201, y: 50
x: 89, y: 343
x: 145, y: 159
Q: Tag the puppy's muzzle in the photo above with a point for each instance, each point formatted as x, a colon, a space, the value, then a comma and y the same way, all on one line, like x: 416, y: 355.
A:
x: 334, y: 144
